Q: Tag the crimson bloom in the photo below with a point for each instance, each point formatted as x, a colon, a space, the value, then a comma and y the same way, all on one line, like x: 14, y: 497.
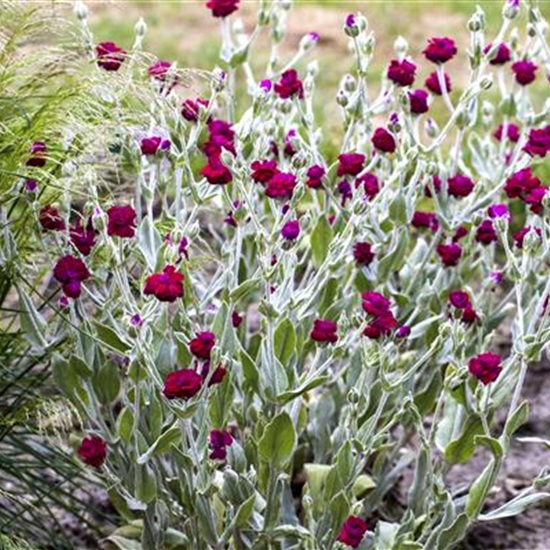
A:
x: 363, y: 254
x: 263, y: 170
x: 190, y: 108
x: 350, y: 164
x: 315, y: 175
x: 289, y: 85
x: 401, y: 73
x: 50, y: 219
x: 450, y: 254
x: 236, y: 319
x: 83, y: 238
x: 92, y: 451
x: 324, y: 330
x: 418, y: 102
x: 538, y: 143
x: 383, y: 141
x: 375, y: 303
x: 70, y: 272
x: 281, y: 186
x: 381, y: 325
x: 352, y: 532
x: 521, y: 183
x: 152, y: 145
x: 440, y: 50
x: 38, y: 154
x: 425, y: 219
x: 501, y: 55
x: 486, y: 367
x: 182, y: 384
x: 202, y: 344
x: 166, y: 286
x: 370, y: 184
x: 459, y: 299
x: 220, y: 136
x: 486, y: 233
x: 460, y: 186
x: 121, y: 221
x: 524, y: 72
x: 433, y: 84
x: 216, y: 172
x: 222, y: 8
x: 291, y: 230
x: 109, y: 56
x: 512, y: 132
x: 219, y: 441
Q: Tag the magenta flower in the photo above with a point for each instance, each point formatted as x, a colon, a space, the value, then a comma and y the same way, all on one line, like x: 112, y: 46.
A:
x: 370, y: 184
x: 324, y: 330
x: 92, y: 451
x: 426, y: 220
x: 432, y: 83
x: 291, y: 230
x: 236, y: 319
x: 418, y: 102
x: 222, y: 8
x: 460, y: 233
x: 498, y: 210
x: 38, y: 155
x: 459, y: 299
x: 216, y: 172
x: 374, y: 303
x: 381, y: 325
x: 512, y: 132
x: 401, y: 73
x: 166, y: 286
x: 486, y: 233
x: 350, y: 164
x: 485, y: 367
x: 182, y: 384
x: 450, y: 254
x: 263, y: 170
x: 383, y: 141
x: 202, y: 345
x: 289, y: 85
x: 109, y: 56
x: 159, y: 70
x: 524, y: 72
x: 440, y: 50
x: 404, y: 331
x: 83, y: 238
x: 315, y: 175
x: 521, y: 183
x: 281, y: 186
x: 70, y: 272
x: 50, y: 219
x: 352, y: 532
x: 501, y: 56
x: 121, y: 221
x: 436, y: 181
x: 190, y: 108
x: 266, y: 85
x: 220, y: 136
x: 362, y: 253
x: 219, y: 441
x: 538, y: 143
x: 460, y: 186
x: 152, y: 145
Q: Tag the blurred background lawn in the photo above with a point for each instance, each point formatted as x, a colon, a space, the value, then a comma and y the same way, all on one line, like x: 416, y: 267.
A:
x: 184, y: 31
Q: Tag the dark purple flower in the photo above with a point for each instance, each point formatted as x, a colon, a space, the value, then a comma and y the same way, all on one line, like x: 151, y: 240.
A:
x: 459, y: 299
x: 291, y: 230
x: 486, y: 233
x: 374, y: 303
x: 315, y: 175
x: 83, y: 238
x: 362, y: 253
x: 38, y: 155
x: 236, y: 319
x: 220, y: 136
x: 182, y: 384
x: 485, y: 367
x: 432, y: 83
x: 350, y: 164
x: 381, y: 325
x: 519, y: 236
x: 440, y: 50
x: 166, y: 286
x: 50, y: 219
x: 190, y: 108
x: 538, y: 143
x: 152, y: 145
x: 92, y: 451
x: 121, y: 221
x: 521, y: 183
x: 401, y: 73
x: 460, y: 186
x: 216, y: 172
x: 512, y: 132
x: 70, y: 272
x: 449, y: 253
x: 263, y: 170
x: 404, y: 331
x: 425, y: 219
x: 460, y: 233
x: 418, y: 101
x: 324, y: 330
x: 524, y: 72
x: 344, y: 188
x: 370, y: 184
x: 202, y: 345
x: 352, y: 532
x: 109, y: 56
x: 289, y: 85
x: 281, y: 186
x: 222, y: 8
x: 383, y: 141
x: 498, y: 210
x: 219, y: 441
x: 501, y: 56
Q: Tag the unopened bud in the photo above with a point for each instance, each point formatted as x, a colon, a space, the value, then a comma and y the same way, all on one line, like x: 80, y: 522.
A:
x: 81, y: 11
x: 309, y: 41
x: 342, y: 98
x: 401, y: 46
x: 140, y: 28
x: 349, y: 84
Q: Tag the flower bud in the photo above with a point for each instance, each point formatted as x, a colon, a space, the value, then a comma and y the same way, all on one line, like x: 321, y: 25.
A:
x: 431, y: 128
x: 313, y: 68
x: 351, y: 28
x: 400, y: 46
x: 486, y: 82
x: 309, y: 41
x: 219, y: 79
x: 349, y: 84
x: 81, y: 11
x: 531, y: 241
x: 510, y: 9
x: 353, y: 396
x: 531, y: 30
x: 140, y: 28
x: 285, y: 4
x: 342, y: 98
